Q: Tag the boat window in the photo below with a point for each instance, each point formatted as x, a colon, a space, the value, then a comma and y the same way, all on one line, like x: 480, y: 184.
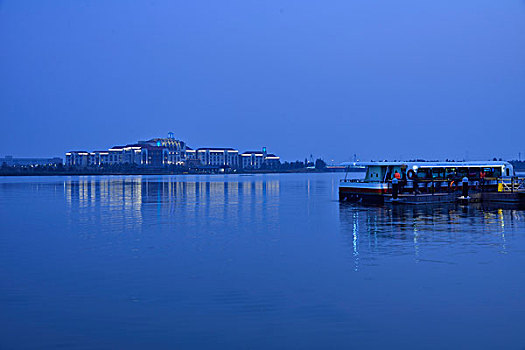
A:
x: 474, y: 172
x: 422, y: 173
x: 450, y: 173
x: 462, y: 172
x: 489, y: 172
x: 438, y: 173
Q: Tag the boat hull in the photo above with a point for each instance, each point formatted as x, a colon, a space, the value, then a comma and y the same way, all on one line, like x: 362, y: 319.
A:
x: 362, y: 192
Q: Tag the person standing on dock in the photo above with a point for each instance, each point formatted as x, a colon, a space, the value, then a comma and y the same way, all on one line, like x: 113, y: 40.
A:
x: 482, y: 180
x: 395, y: 186
x: 397, y: 178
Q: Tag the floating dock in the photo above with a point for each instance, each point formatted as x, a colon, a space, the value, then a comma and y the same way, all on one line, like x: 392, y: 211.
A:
x: 517, y: 197
x: 422, y: 198
x: 502, y: 197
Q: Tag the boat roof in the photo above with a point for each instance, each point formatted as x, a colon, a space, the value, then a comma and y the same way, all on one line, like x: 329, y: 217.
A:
x: 429, y: 164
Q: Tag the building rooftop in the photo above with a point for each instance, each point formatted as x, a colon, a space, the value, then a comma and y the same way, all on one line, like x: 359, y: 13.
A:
x: 216, y: 148
x: 151, y: 147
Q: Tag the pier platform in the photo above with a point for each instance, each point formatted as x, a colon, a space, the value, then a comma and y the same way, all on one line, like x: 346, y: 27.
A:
x: 423, y: 198
x: 502, y: 197
x: 517, y: 197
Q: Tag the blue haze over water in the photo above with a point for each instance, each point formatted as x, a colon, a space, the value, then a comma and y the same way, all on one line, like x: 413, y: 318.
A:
x: 385, y: 79
x: 265, y: 261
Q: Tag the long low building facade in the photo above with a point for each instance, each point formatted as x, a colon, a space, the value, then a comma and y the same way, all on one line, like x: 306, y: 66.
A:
x: 26, y: 162
x: 164, y: 152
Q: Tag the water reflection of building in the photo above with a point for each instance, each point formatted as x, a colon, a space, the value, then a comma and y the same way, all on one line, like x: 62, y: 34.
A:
x: 402, y: 230
x: 186, y: 198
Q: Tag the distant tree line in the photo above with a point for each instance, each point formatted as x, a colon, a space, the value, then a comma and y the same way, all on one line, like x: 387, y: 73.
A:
x: 319, y: 164
x: 296, y: 166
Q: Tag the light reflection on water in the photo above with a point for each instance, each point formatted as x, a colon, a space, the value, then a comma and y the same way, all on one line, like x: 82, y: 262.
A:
x: 251, y: 261
x: 401, y: 229
x: 173, y: 199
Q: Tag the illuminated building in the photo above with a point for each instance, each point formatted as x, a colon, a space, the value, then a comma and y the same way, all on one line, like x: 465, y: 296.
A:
x: 116, y: 155
x: 154, y: 156
x: 98, y: 158
x: 176, y: 148
x: 161, y: 152
x: 256, y: 159
x: 217, y: 156
x: 77, y: 159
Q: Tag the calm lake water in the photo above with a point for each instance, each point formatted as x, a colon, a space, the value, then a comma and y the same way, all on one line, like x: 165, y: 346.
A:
x: 251, y: 262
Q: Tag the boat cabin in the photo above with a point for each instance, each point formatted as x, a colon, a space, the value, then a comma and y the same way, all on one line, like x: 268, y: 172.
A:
x: 385, y: 171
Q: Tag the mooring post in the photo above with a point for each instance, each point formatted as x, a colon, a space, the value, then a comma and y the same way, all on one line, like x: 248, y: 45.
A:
x: 465, y: 187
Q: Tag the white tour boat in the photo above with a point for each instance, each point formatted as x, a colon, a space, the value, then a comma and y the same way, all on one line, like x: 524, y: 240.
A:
x: 418, y: 178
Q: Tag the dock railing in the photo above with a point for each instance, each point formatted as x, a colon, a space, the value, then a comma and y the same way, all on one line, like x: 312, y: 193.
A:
x: 427, y: 186
x: 511, y: 184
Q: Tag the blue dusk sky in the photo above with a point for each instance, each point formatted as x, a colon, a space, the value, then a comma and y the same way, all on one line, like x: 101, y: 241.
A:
x: 383, y: 79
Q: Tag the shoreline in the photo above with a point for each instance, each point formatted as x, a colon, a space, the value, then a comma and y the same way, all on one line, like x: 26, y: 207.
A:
x: 160, y: 172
